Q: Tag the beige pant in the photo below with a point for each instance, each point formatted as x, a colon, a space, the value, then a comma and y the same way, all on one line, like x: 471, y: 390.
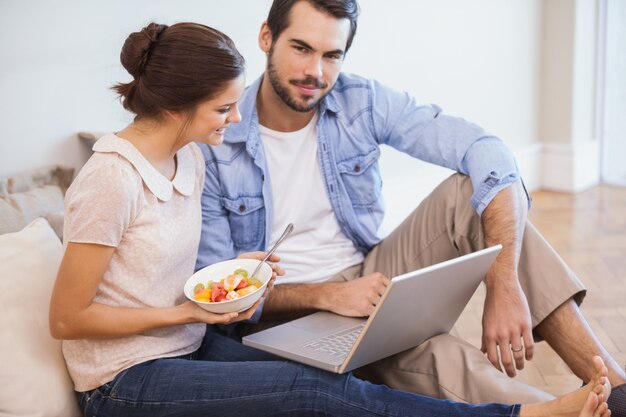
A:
x: 444, y: 226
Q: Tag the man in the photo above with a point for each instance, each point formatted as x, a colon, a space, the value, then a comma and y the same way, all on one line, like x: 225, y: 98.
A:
x: 306, y: 152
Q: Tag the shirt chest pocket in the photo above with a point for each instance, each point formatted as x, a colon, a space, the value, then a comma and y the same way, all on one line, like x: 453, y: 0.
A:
x: 361, y: 177
x: 246, y: 216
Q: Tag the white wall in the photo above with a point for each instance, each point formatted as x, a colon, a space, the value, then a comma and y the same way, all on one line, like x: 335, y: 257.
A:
x: 59, y: 59
x: 478, y: 60
x: 614, y: 99
x: 567, y: 122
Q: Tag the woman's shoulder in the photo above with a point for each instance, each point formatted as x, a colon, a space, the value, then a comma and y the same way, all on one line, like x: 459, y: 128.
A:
x: 108, y: 173
x: 110, y: 166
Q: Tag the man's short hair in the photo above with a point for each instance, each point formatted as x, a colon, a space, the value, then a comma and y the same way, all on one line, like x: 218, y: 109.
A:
x: 278, y: 17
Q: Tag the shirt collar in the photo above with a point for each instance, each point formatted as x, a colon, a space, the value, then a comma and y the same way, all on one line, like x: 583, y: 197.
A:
x: 161, y: 187
x: 249, y: 117
x: 329, y: 103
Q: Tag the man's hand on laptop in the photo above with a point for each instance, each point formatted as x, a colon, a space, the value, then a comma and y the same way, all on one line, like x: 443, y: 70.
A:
x: 355, y: 298
x: 507, y: 329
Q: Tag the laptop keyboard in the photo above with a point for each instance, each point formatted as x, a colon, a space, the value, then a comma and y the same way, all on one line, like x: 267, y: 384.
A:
x: 337, y: 344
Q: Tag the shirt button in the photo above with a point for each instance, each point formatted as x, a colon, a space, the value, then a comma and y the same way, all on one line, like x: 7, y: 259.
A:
x: 357, y: 168
x: 242, y: 208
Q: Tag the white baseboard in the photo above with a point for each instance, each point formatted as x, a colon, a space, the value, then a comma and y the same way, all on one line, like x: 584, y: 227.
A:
x: 570, y: 167
x: 529, y: 164
x: 560, y: 167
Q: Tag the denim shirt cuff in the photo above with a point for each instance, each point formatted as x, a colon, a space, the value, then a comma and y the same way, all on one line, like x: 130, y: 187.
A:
x: 256, y: 316
x: 492, y: 185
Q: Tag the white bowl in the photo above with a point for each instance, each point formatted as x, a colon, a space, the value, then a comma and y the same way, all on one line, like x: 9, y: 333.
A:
x: 221, y: 270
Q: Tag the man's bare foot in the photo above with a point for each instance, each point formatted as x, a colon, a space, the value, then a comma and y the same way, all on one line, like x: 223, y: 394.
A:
x: 594, y: 407
x: 588, y: 401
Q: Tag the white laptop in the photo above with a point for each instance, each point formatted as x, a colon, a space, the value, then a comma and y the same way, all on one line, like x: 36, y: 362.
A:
x: 415, y: 307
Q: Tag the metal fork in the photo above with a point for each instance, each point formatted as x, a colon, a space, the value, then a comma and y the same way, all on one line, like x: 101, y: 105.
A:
x: 286, y: 233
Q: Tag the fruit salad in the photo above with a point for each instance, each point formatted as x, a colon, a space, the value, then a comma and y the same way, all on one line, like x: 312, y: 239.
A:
x: 235, y: 285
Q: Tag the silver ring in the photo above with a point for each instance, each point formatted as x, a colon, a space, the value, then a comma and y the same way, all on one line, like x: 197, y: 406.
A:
x: 517, y: 350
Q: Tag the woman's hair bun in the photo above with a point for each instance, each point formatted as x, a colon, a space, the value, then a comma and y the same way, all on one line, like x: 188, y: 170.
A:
x: 176, y: 67
x: 136, y: 50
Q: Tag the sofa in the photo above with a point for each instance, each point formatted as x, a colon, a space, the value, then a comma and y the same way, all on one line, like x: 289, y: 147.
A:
x: 33, y: 374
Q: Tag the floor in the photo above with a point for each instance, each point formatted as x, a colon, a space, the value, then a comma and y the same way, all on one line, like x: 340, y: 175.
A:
x: 588, y: 230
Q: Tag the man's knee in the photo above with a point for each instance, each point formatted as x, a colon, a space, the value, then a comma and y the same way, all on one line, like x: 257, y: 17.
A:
x: 457, y: 188
x: 446, y: 346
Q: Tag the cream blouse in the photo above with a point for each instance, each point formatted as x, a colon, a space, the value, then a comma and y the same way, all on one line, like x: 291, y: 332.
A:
x: 120, y: 200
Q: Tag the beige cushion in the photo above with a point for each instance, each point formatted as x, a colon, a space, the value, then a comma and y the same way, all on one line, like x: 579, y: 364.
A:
x: 55, y: 218
x: 30, y: 195
x: 33, y: 375
x: 90, y: 138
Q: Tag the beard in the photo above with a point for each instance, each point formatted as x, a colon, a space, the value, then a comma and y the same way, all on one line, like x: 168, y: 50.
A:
x: 302, y: 106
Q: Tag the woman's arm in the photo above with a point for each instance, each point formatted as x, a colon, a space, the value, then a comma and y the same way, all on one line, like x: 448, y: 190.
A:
x: 74, y: 314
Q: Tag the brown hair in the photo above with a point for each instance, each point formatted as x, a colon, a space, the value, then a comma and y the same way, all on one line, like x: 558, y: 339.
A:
x: 278, y: 17
x: 176, y: 67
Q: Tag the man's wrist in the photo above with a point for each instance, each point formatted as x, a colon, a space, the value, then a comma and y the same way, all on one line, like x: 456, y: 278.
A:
x: 297, y: 298
x: 501, y: 276
x: 324, y: 296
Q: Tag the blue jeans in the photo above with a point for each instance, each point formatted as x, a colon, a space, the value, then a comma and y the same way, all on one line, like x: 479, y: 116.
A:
x: 225, y: 378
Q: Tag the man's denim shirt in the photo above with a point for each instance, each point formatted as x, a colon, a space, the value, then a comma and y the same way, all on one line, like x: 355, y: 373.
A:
x: 355, y: 118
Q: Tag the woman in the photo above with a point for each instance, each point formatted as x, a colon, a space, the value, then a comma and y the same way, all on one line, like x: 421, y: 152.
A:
x: 132, y: 344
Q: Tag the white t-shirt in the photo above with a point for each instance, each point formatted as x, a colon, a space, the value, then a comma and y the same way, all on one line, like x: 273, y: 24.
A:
x: 317, y: 248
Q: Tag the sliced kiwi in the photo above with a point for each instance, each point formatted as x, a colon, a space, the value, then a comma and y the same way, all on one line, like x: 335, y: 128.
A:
x: 242, y: 272
x: 198, y: 287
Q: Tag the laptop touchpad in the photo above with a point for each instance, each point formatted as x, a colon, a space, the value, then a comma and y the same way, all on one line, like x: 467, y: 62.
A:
x: 321, y: 321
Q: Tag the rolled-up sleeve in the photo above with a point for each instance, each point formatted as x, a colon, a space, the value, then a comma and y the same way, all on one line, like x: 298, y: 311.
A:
x: 491, y: 167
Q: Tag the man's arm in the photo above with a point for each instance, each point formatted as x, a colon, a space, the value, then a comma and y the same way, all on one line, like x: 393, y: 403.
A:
x: 506, y: 316
x: 355, y: 298
x: 426, y: 133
